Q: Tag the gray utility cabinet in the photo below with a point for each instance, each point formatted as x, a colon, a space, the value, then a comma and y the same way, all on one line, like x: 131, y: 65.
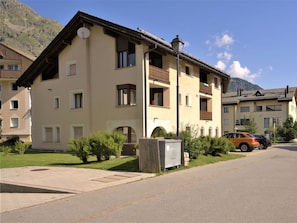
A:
x: 170, y: 153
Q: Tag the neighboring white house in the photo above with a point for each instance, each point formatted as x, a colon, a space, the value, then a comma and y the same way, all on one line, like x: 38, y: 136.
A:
x: 268, y: 108
x: 114, y: 78
x: 15, y: 103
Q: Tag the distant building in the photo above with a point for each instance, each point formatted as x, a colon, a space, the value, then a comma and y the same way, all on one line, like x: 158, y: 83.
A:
x: 268, y: 108
x: 15, y: 102
x: 108, y: 77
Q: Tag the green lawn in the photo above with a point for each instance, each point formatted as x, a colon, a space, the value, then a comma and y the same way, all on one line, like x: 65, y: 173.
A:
x: 68, y: 160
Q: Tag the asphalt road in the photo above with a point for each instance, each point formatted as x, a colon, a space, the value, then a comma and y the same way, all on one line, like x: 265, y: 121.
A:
x: 261, y: 187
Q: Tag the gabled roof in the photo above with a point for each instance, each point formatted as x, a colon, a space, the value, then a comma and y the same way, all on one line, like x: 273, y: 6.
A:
x: 20, y: 52
x: 278, y: 94
x: 48, y: 59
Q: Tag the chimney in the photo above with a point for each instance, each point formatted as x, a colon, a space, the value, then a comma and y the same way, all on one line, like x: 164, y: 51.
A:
x: 287, y: 89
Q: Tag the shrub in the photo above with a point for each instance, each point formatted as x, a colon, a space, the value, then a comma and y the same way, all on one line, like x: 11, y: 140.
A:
x: 100, y: 144
x: 6, y: 149
x: 119, y: 139
x: 81, y: 148
x: 21, y: 147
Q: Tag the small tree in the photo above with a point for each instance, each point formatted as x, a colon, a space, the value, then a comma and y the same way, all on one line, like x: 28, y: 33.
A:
x: 80, y: 147
x: 289, y: 129
x: 119, y: 140
x: 251, y: 126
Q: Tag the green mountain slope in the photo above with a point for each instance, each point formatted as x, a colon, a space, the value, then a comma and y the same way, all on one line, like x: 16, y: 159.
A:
x: 237, y: 83
x: 24, y: 29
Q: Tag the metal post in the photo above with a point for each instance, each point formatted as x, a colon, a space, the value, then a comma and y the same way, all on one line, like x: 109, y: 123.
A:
x: 177, y: 94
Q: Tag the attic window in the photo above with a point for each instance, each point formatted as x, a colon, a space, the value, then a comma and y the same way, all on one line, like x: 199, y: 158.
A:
x: 258, y: 93
x: 126, y: 52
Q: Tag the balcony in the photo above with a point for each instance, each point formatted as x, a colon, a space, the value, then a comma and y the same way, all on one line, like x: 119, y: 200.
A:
x: 10, y: 74
x: 205, y: 88
x: 158, y: 74
x: 204, y: 115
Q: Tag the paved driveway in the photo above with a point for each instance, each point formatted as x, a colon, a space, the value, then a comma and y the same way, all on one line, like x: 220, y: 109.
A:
x: 258, y: 188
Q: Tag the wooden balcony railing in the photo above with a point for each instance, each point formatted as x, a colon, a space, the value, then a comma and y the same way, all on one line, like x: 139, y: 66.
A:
x: 9, y: 74
x: 205, y: 88
x: 205, y: 115
x: 158, y: 74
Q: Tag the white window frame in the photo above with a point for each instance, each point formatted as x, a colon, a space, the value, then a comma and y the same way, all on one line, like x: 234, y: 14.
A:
x: 73, y: 105
x: 69, y: 71
x: 13, y: 124
x: 56, y: 102
x: 12, y: 107
x: 72, y: 130
x: 55, y: 134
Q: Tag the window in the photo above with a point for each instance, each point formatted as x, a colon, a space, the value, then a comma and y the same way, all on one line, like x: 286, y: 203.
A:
x: 217, y: 132
x: 244, y: 109
x: 156, y: 96
x: 126, y: 94
x: 202, y: 132
x: 266, y: 122
x: 188, y: 70
x: 14, y: 104
x: 57, y: 135
x: 71, y: 69
x: 258, y: 108
x: 156, y: 59
x: 188, y: 100
x: 216, y: 83
x: 77, y: 131
x: 244, y: 121
x: 48, y: 134
x: 209, y: 131
x: 273, y: 108
x: 14, y: 122
x: 56, y: 102
x: 14, y: 87
x: 129, y: 133
x: 13, y: 67
x: 203, y: 76
x: 77, y: 100
x: 126, y: 53
x: 0, y: 104
x: 226, y: 121
x: 203, y: 104
x: 226, y: 109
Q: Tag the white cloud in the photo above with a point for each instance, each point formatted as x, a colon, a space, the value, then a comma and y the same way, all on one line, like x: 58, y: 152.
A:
x: 220, y: 65
x: 224, y: 56
x: 236, y: 70
x: 224, y: 40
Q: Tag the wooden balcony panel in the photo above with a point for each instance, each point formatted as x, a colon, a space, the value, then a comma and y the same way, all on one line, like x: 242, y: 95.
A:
x: 158, y: 74
x: 10, y: 74
x: 205, y: 115
x: 205, y: 89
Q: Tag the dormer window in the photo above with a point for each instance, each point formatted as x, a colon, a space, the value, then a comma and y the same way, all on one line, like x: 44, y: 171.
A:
x: 258, y: 93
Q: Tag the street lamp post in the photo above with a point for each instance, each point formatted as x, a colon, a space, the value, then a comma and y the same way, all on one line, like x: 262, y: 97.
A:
x: 176, y: 44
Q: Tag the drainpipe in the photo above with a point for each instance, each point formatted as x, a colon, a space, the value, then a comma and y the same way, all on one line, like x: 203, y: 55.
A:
x: 145, y: 91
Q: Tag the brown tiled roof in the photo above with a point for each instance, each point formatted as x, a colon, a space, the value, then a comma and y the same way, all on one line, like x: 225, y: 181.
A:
x: 23, y: 53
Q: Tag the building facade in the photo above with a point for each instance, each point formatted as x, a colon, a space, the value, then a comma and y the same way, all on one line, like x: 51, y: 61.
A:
x: 268, y: 108
x: 15, y: 102
x: 109, y: 77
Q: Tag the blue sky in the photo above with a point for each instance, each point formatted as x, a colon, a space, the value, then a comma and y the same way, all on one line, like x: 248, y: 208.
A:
x: 255, y: 40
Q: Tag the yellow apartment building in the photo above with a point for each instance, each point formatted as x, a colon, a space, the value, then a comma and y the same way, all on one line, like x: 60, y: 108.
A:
x: 15, y: 102
x: 268, y: 108
x: 97, y: 75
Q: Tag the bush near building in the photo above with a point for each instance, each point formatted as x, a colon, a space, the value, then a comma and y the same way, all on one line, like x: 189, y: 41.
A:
x: 100, y: 144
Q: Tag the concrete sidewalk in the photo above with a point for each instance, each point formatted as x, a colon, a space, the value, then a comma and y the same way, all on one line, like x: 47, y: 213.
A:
x: 28, y: 186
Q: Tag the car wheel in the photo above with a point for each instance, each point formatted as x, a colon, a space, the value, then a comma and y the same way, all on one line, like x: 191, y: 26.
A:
x: 262, y: 146
x: 244, y: 148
